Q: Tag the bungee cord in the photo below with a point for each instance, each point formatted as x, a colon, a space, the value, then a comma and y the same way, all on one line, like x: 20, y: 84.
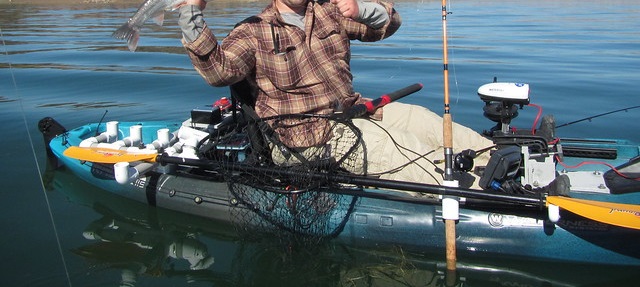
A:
x: 35, y: 158
x: 538, y: 116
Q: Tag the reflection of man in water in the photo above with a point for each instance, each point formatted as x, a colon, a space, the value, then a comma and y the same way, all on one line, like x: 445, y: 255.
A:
x: 139, y: 250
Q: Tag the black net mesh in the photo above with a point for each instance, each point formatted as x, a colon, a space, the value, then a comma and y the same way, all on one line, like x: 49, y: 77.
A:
x: 309, y: 216
x: 289, y: 191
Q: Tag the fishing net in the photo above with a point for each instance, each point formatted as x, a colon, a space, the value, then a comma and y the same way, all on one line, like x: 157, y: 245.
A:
x: 307, y: 217
x: 288, y: 191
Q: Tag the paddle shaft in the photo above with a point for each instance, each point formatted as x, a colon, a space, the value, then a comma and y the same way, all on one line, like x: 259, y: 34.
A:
x: 361, y: 181
x: 625, y: 215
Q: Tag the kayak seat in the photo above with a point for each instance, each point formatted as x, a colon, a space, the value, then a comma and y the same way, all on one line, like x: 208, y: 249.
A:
x: 260, y: 134
x: 244, y: 96
x: 267, y: 149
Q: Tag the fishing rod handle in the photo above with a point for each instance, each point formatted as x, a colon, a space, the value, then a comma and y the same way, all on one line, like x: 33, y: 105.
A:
x: 371, y: 106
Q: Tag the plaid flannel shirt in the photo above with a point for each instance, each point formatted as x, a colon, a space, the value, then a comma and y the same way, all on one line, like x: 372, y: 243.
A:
x: 292, y: 71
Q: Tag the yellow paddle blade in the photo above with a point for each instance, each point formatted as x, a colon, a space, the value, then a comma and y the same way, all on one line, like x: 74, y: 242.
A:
x: 106, y: 155
x: 625, y: 215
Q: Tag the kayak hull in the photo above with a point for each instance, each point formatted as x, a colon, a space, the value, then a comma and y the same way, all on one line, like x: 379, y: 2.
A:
x: 481, y: 230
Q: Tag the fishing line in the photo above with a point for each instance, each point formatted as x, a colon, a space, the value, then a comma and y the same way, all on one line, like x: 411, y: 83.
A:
x: 35, y: 158
x: 452, y: 63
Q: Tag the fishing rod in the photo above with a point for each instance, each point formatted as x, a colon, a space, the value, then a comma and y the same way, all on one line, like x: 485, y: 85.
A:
x: 359, y: 180
x: 450, y: 205
x: 598, y: 115
x: 102, y: 155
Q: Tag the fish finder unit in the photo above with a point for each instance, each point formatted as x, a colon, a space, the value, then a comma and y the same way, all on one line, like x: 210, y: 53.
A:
x: 524, y: 157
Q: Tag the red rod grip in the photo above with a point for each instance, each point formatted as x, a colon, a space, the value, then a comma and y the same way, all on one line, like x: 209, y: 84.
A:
x: 372, y: 106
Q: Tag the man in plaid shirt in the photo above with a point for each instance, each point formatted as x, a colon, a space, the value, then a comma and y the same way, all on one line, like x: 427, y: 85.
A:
x: 295, y: 55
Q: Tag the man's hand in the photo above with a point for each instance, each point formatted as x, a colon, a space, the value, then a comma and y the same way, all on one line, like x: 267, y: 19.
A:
x: 200, y: 3
x: 349, y: 8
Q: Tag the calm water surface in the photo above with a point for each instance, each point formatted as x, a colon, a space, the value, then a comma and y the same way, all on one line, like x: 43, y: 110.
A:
x: 581, y: 58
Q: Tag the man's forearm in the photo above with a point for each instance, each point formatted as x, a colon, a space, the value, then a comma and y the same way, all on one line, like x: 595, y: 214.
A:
x: 372, y: 14
x: 191, y: 22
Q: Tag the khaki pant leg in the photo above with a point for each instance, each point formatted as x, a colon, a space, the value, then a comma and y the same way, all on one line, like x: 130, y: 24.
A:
x: 420, y: 130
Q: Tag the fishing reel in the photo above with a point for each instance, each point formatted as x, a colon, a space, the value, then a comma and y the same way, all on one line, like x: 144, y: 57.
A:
x: 463, y: 161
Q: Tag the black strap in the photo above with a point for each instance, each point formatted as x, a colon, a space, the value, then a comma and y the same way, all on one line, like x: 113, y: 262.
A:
x: 242, y: 92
